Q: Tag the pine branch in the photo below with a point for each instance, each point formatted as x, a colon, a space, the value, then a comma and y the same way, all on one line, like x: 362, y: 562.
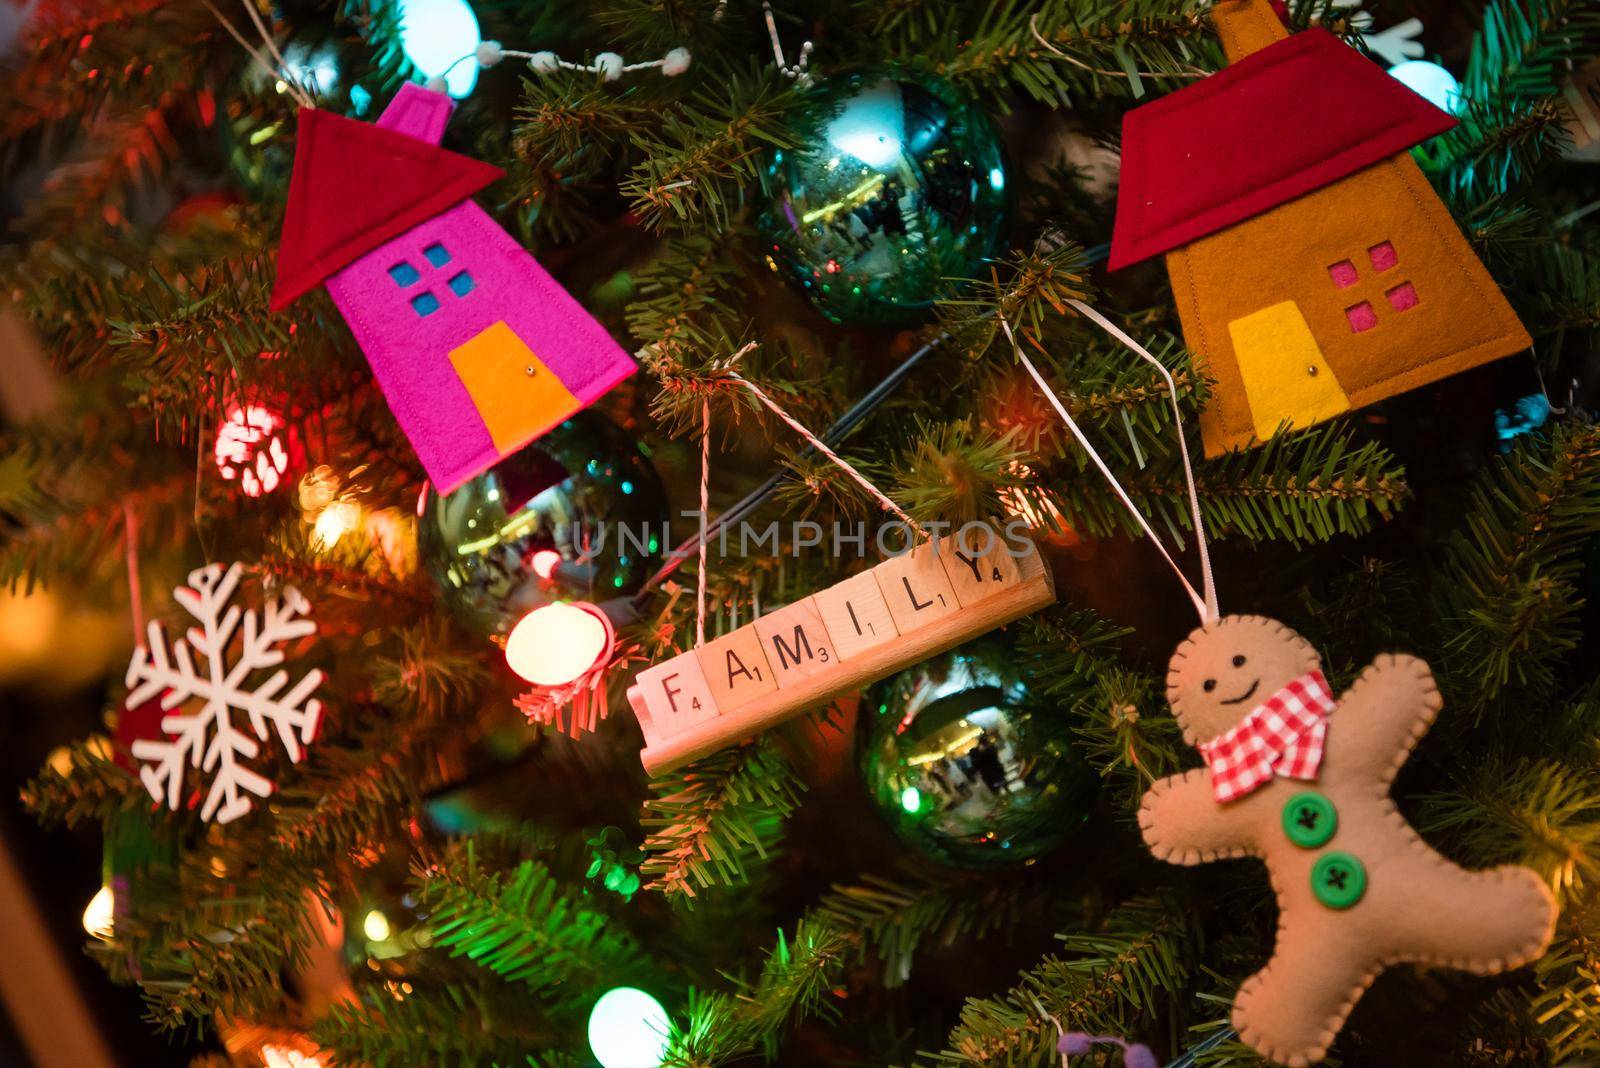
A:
x: 1071, y: 657
x: 1536, y: 813
x: 1111, y: 981
x: 523, y: 926
x: 1305, y: 487
x: 451, y: 1025
x: 345, y: 795
x: 960, y: 473
x: 91, y: 789
x: 1092, y: 49
x: 1566, y: 1006
x: 1506, y: 591
x: 694, y: 171
x: 213, y: 934
x: 896, y: 920
x: 1526, y: 47
x: 708, y: 821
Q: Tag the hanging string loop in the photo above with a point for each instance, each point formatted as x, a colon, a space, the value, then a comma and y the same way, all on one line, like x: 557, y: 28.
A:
x: 1205, y: 599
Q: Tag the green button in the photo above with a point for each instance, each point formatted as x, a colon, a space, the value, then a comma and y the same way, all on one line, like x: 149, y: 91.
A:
x: 1309, y: 819
x: 1338, y: 880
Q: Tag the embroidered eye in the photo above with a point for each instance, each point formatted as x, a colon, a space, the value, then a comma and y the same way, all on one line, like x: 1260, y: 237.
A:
x: 1210, y: 684
x: 1238, y: 661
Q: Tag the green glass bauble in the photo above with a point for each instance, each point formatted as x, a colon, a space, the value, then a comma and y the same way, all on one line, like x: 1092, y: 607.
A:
x: 898, y: 189
x: 967, y: 767
x: 579, y: 514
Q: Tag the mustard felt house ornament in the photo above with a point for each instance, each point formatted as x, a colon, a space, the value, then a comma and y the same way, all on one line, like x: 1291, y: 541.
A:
x: 1314, y: 269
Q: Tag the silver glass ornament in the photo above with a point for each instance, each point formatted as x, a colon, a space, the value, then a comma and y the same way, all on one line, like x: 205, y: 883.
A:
x: 966, y: 766
x: 898, y: 191
x: 579, y: 514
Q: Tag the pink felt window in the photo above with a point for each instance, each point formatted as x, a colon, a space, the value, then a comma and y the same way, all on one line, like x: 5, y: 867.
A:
x: 1361, y: 317
x: 1402, y: 297
x: 1383, y: 256
x: 1343, y: 274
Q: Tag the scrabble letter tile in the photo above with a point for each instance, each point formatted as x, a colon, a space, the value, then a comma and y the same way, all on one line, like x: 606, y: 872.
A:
x: 978, y: 564
x: 676, y: 695
x: 916, y: 588
x: 855, y: 614
x: 796, y: 643
x: 736, y: 669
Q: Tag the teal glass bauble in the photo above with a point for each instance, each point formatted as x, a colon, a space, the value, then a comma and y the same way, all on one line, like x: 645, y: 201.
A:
x: 898, y: 191
x: 579, y: 514
x: 967, y: 765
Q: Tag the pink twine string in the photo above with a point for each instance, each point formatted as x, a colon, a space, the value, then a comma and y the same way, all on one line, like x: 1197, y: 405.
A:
x: 130, y: 549
x: 839, y: 461
x: 705, y: 507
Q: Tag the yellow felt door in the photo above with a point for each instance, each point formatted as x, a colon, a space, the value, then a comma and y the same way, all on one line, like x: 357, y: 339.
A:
x: 515, y: 393
x: 1287, y: 381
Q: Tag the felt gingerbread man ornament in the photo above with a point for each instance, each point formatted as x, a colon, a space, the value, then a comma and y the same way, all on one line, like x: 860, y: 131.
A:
x: 1301, y: 780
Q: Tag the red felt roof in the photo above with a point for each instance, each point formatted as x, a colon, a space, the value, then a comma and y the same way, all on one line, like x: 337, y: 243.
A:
x: 1283, y: 121
x: 355, y: 186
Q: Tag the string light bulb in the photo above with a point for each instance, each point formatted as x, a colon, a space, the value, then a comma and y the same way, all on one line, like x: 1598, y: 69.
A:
x: 441, y: 38
x: 559, y: 643
x: 1431, y: 82
x: 99, y: 915
x: 253, y: 446
x: 376, y: 927
x: 628, y: 1029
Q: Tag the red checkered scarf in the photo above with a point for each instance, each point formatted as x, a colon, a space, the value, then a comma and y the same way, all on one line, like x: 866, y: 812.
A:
x: 1281, y: 736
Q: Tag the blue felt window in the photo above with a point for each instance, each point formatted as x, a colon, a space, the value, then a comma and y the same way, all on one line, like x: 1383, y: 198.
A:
x: 404, y: 274
x: 425, y: 304
x: 462, y: 284
x: 437, y: 255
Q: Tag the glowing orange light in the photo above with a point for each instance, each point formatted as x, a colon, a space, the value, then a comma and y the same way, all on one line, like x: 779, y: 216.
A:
x: 251, y: 447
x: 545, y: 562
x: 559, y: 643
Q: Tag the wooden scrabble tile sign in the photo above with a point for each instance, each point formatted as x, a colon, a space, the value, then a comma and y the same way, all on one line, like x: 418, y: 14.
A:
x: 807, y: 653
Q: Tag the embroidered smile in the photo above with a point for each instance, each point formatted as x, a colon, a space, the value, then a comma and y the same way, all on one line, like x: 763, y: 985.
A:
x: 1244, y: 696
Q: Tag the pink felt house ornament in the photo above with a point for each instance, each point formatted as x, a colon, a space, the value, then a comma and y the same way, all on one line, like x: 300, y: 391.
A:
x: 478, y: 350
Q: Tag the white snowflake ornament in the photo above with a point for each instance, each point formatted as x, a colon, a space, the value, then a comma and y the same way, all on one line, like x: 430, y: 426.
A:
x: 211, y: 739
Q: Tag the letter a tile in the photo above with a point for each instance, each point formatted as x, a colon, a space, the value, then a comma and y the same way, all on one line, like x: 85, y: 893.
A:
x: 796, y: 643
x: 736, y: 669
x: 856, y: 615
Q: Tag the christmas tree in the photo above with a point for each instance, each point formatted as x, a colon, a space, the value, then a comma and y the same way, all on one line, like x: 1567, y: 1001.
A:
x: 459, y: 535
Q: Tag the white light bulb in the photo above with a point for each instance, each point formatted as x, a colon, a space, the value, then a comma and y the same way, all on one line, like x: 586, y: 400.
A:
x: 434, y: 34
x: 628, y: 1029
x: 100, y: 914
x: 1431, y: 82
x: 555, y: 643
x: 376, y: 927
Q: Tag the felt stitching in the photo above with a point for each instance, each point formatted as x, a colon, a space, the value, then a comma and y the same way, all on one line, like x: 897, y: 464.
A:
x: 585, y: 325
x: 368, y: 341
x: 1419, y: 695
x: 1290, y: 49
x: 1404, y: 177
x: 1233, y: 427
x: 475, y: 177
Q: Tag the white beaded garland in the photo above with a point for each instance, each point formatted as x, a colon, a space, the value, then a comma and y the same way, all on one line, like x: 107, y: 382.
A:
x: 675, y: 62
x: 488, y: 53
x: 608, y: 65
